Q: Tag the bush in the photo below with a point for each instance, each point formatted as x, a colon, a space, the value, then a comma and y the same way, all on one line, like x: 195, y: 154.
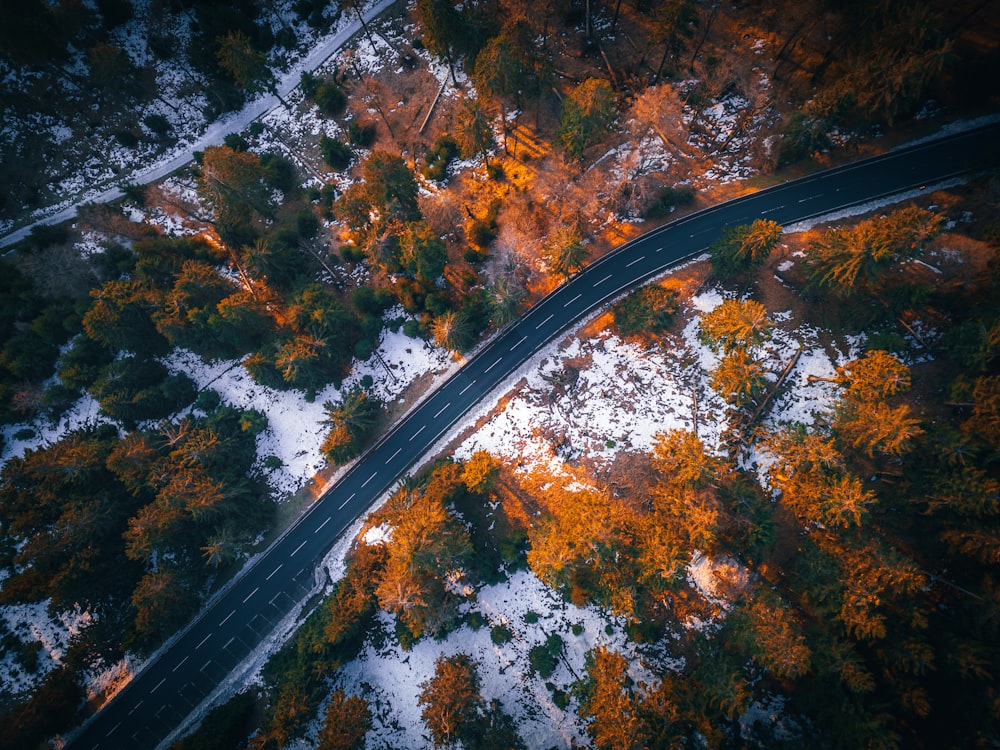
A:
x: 279, y: 172
x: 335, y: 153
x: 47, y: 235
x: 545, y: 656
x: 255, y: 128
x: 362, y: 134
x: 135, y: 193
x: 667, y: 199
x: 352, y: 254
x: 308, y: 83
x: 413, y: 329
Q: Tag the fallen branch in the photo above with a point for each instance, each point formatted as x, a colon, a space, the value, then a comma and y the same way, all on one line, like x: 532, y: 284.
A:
x: 433, y: 104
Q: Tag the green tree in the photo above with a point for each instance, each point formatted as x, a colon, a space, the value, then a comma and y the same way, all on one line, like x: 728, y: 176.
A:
x: 743, y: 249
x: 351, y: 422
x: 587, y: 114
x: 649, y: 309
x: 247, y: 67
x: 442, y: 26
x: 232, y: 182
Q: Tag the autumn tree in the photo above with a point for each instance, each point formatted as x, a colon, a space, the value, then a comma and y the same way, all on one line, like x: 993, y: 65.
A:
x: 773, y: 634
x: 856, y: 261
x: 587, y: 114
x: 611, y: 703
x: 564, y: 251
x: 814, y: 481
x: 735, y: 324
x: 345, y: 722
x: 429, y: 547
x: 452, y: 331
x: 451, y: 701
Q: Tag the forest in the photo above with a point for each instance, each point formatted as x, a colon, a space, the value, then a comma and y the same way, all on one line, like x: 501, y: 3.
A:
x: 868, y: 539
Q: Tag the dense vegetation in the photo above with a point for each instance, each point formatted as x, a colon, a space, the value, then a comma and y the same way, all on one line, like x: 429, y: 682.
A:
x: 877, y: 621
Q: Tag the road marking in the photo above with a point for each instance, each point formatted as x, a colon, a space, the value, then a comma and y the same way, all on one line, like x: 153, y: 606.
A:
x: 296, y: 550
x: 158, y: 686
x: 460, y: 393
x: 771, y: 210
x: 573, y: 300
x: 350, y: 498
x: 227, y: 618
x: 113, y: 729
x: 598, y: 283
x: 251, y: 594
x: 179, y: 664
x: 205, y: 665
x: 393, y: 456
x: 633, y: 262
x: 274, y: 571
x: 320, y: 527
x: 135, y: 708
x: 441, y: 410
x: 492, y: 366
x: 547, y: 319
x: 203, y: 641
x: 229, y: 641
x: 523, y: 339
x: 422, y: 428
x: 811, y: 197
x: 374, y: 474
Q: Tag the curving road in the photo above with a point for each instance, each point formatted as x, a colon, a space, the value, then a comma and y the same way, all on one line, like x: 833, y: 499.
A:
x: 174, y: 684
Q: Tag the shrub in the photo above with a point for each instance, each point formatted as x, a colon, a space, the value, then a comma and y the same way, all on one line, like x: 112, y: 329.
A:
x: 531, y: 617
x: 255, y: 128
x: 308, y: 83
x: 127, y: 138
x: 482, y: 232
x: 273, y: 462
x: 443, y: 152
x: 306, y: 223
x: 545, y: 656
x: 47, y: 235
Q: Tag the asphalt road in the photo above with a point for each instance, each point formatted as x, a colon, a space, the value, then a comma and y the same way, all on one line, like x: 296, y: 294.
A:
x: 161, y: 697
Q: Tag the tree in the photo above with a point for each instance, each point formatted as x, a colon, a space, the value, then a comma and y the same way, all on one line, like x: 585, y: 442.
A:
x: 772, y: 633
x: 452, y: 331
x: 248, y: 67
x: 735, y: 324
x: 649, y: 309
x: 743, y: 249
x: 345, y: 722
x: 740, y: 378
x: 813, y: 479
x: 451, y: 700
x: 442, y: 26
x: 351, y: 421
x: 564, y: 252
x: 474, y: 132
x: 856, y: 261
x: 422, y: 253
x: 232, y: 182
x: 587, y: 114
x: 611, y: 703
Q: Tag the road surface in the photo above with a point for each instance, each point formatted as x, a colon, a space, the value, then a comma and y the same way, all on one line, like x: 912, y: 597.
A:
x: 168, y: 690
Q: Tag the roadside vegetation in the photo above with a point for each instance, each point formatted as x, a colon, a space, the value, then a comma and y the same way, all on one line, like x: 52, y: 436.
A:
x: 866, y: 539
